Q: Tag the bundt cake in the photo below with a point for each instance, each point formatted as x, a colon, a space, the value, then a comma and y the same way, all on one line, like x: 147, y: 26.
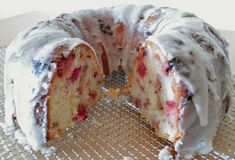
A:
x: 178, y: 67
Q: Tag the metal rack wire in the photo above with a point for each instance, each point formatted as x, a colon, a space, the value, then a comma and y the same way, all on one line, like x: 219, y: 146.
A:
x: 113, y: 130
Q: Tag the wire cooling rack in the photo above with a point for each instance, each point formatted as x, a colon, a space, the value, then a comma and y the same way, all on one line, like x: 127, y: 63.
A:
x: 113, y: 130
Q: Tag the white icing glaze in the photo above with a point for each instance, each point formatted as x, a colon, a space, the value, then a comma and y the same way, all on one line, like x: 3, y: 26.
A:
x: 47, y: 150
x: 164, y: 154
x: 26, y: 97
x: 20, y: 137
x: 168, y: 30
x: 206, y: 74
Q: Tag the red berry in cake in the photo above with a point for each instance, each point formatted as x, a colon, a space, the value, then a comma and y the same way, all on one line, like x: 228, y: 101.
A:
x: 137, y: 102
x: 38, y: 113
x: 75, y: 74
x: 146, y: 103
x: 165, y: 69
x: 142, y: 69
x: 59, y: 71
x: 158, y: 85
x: 81, y: 113
x: 92, y: 94
x: 84, y: 68
x: 145, y: 53
x: 95, y: 74
x: 80, y: 90
x: 170, y: 106
x: 155, y: 124
x: 64, y: 64
x: 140, y: 85
x: 13, y: 116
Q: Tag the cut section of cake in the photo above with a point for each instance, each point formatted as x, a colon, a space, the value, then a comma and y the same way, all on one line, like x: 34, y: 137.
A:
x: 51, y: 91
x: 75, y: 86
x: 156, y: 91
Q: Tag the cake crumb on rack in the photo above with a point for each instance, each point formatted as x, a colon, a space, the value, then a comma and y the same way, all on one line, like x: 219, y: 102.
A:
x: 113, y: 93
x: 127, y: 158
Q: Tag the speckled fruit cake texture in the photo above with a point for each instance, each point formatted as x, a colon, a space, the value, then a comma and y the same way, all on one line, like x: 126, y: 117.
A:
x: 177, y: 64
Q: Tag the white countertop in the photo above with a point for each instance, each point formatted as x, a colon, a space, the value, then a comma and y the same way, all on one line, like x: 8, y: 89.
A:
x: 11, y: 26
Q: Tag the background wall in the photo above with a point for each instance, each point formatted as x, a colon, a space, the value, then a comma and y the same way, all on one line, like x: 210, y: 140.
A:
x: 219, y: 13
